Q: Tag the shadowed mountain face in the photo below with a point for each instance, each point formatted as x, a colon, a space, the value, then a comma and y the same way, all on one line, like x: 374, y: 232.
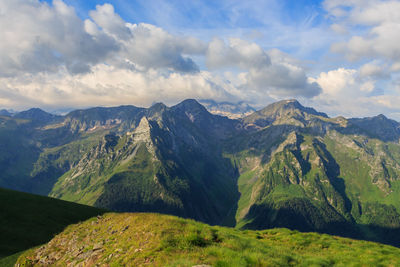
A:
x: 28, y: 220
x: 378, y: 127
x: 285, y: 165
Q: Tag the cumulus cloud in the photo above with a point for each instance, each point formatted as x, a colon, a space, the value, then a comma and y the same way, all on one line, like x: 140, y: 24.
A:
x: 373, y: 70
x: 238, y: 53
x: 334, y: 82
x: 353, y: 92
x: 338, y: 28
x: 36, y: 37
x: 395, y: 67
x: 111, y: 23
x: 152, y: 47
x: 272, y: 72
x: 369, y: 33
x: 382, y: 24
x: 107, y: 85
x: 348, y: 83
x: 51, y: 57
x: 147, y: 46
x: 283, y: 80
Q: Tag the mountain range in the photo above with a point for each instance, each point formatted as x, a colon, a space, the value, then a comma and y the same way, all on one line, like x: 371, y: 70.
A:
x: 283, y: 166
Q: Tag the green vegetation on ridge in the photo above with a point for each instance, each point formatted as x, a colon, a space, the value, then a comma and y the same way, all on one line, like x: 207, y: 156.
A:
x: 144, y: 239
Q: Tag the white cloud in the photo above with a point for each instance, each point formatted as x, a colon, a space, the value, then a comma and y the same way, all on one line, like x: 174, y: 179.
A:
x: 376, y: 12
x: 334, y: 82
x: 107, y: 85
x: 374, y: 70
x: 36, y: 37
x: 338, y: 28
x: 273, y: 72
x: 282, y: 80
x: 395, y: 67
x: 381, y: 21
x: 369, y: 36
x: 111, y: 23
x: 237, y: 53
x: 147, y: 46
x: 152, y: 47
x: 51, y: 57
x: 352, y: 93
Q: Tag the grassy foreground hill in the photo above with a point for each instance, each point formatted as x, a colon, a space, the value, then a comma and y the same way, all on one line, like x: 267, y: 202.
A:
x: 27, y: 220
x: 145, y: 239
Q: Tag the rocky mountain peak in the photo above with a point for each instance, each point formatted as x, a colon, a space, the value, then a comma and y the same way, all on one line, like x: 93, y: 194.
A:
x: 283, y: 112
x: 381, y: 117
x: 281, y: 108
x: 158, y: 106
x: 378, y: 126
x: 190, y: 105
x: 35, y: 114
x: 192, y: 109
x: 156, y: 111
x: 5, y: 112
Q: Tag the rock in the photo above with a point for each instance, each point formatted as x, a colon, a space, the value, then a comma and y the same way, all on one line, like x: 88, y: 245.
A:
x: 98, y: 246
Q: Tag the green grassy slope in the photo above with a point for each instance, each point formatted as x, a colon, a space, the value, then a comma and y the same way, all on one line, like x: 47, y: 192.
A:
x: 338, y: 184
x: 137, y: 239
x: 10, y: 261
x: 27, y: 220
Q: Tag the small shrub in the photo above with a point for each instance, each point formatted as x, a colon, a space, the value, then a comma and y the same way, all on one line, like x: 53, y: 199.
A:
x: 197, y: 240
x: 215, y: 237
x: 169, y: 243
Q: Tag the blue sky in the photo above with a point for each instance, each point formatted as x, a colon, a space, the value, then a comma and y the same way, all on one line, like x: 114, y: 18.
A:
x: 204, y: 14
x: 339, y: 56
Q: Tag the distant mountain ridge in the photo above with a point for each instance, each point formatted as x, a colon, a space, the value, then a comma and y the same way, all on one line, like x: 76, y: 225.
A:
x: 36, y: 115
x: 228, y: 109
x: 5, y: 112
x: 283, y: 166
